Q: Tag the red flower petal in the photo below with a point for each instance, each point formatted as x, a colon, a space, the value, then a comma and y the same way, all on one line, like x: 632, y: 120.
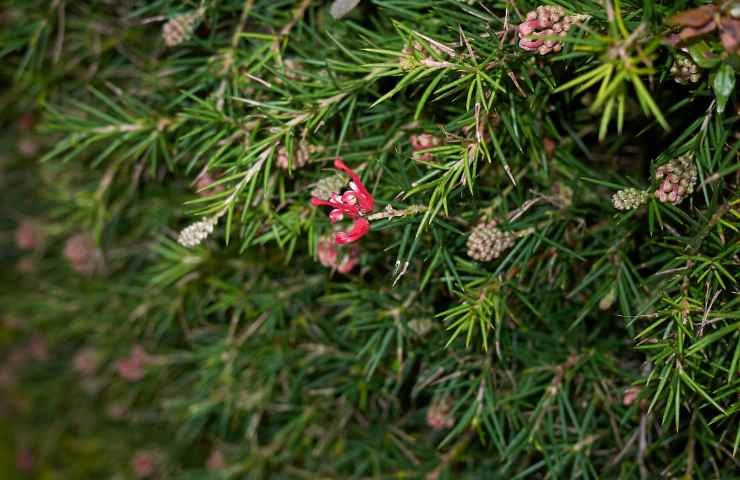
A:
x: 359, y: 230
x: 317, y: 202
x: 364, y: 199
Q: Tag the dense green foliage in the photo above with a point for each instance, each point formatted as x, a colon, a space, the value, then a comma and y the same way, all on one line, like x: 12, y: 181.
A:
x: 598, y: 343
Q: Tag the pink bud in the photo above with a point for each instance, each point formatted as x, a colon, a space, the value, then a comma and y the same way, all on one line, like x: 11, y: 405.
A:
x: 439, y: 416
x: 216, y: 460
x: 131, y: 368
x: 204, y: 181
x: 630, y: 395
x: 80, y: 252
x: 144, y: 463
x: 86, y: 361
x: 28, y: 236
x: 37, y: 348
x: 24, y: 460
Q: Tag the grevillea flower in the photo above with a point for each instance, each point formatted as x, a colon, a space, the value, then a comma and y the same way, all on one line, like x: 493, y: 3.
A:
x: 354, y: 204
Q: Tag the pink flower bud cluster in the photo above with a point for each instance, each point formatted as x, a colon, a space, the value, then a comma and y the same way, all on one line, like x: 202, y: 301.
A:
x: 38, y: 349
x: 146, y: 462
x: 81, y: 253
x: 422, y: 142
x: 24, y: 460
x: 408, y: 59
x: 216, y: 460
x: 203, y: 185
x: 28, y: 236
x: 630, y: 395
x: 86, y: 361
x: 544, y: 21
x: 439, y: 415
x: 300, y: 156
x: 131, y: 368
x: 678, y: 180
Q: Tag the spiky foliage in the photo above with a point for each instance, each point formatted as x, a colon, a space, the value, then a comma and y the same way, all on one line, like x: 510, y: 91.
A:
x: 601, y: 344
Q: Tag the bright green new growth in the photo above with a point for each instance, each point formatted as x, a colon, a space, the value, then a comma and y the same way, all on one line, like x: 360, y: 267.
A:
x: 571, y: 339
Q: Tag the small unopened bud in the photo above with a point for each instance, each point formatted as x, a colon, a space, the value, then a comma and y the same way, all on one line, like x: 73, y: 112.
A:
x: 487, y: 242
x: 216, y: 460
x: 193, y: 235
x: 545, y: 21
x: 180, y: 28
x: 439, y: 415
x: 421, y: 326
x: 145, y: 463
x: 86, y: 361
x: 204, y: 182
x: 607, y: 300
x: 678, y: 180
x: 629, y: 199
x: 38, y: 349
x: 416, y: 54
x: 685, y: 71
x: 300, y: 156
x: 328, y: 185
x: 24, y: 460
x: 423, y: 142
x: 341, y: 8
x: 131, y: 368
x: 82, y: 254
x: 28, y: 236
x: 630, y: 395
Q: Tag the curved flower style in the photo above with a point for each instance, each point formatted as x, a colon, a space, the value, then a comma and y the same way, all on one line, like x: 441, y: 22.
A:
x: 355, y: 203
x: 359, y: 229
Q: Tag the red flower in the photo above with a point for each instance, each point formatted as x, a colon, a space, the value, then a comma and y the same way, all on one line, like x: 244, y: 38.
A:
x: 355, y: 203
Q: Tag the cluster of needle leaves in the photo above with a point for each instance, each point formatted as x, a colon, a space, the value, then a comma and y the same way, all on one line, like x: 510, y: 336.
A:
x: 602, y: 344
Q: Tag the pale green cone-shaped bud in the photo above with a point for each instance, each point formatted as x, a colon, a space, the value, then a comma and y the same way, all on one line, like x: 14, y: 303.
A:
x: 629, y: 199
x: 328, y: 185
x: 180, y: 28
x: 487, y: 242
x: 194, y: 234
